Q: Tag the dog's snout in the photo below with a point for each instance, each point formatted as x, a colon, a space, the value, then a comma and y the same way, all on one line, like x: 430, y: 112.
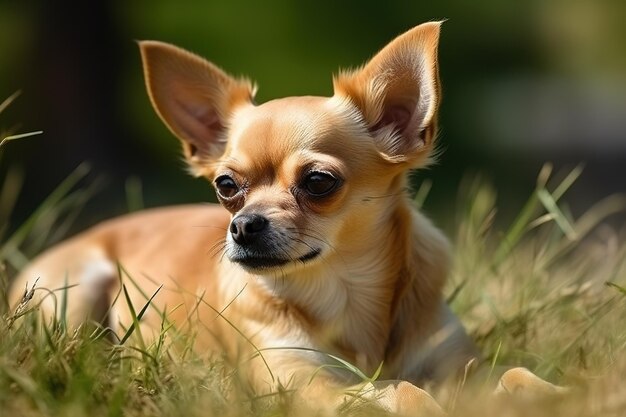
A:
x: 246, y: 228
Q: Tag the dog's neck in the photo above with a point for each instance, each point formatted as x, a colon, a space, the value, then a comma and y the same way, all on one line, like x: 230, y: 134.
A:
x: 347, y: 297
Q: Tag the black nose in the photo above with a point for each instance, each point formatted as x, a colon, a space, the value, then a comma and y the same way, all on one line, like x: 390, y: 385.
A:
x: 246, y: 228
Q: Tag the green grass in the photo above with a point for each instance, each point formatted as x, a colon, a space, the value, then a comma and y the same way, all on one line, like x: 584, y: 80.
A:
x: 6, y: 138
x: 547, y: 292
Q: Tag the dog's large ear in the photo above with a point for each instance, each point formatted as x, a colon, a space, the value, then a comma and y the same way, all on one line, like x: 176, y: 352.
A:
x: 194, y: 98
x: 398, y: 92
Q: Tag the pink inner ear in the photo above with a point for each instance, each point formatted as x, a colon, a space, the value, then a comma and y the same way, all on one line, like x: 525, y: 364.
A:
x: 210, y: 119
x: 200, y: 123
x: 397, y: 115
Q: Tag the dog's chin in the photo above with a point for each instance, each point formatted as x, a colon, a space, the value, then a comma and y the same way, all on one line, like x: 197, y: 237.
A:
x: 259, y: 263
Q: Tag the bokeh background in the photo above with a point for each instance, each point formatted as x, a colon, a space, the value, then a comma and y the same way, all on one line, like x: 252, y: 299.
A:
x: 525, y: 82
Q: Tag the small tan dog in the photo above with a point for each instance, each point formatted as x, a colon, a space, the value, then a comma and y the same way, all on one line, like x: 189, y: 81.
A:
x: 316, y: 250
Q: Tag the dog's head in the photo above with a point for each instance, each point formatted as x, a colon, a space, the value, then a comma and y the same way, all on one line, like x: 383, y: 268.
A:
x: 302, y: 175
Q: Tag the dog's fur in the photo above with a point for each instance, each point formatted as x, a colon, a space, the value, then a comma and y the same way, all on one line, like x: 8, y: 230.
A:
x: 316, y: 247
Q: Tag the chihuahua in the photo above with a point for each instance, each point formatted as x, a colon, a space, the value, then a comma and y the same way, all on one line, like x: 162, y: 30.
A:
x: 316, y: 253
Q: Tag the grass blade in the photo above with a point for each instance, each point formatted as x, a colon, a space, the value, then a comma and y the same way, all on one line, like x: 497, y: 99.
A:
x: 136, y: 317
x: 524, y: 221
x: 7, y: 139
x: 551, y: 206
x: 52, y: 201
x: 619, y: 288
x: 134, y: 194
x: 569, y: 180
x: 422, y: 193
x: 517, y: 230
x: 63, y: 312
x: 7, y: 101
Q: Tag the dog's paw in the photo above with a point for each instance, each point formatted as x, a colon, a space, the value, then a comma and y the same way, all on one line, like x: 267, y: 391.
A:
x: 402, y: 398
x: 523, y: 384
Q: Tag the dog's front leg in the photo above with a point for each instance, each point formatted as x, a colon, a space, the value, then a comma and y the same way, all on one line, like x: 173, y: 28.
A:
x: 399, y: 397
x: 395, y: 396
x: 523, y: 384
x: 325, y: 392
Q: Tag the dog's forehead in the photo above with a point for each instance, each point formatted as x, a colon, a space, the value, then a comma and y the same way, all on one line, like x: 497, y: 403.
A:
x: 281, y: 127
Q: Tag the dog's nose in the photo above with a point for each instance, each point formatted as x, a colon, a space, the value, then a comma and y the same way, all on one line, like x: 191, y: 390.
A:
x: 246, y: 228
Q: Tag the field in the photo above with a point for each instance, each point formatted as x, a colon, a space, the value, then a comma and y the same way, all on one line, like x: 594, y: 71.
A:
x: 547, y: 292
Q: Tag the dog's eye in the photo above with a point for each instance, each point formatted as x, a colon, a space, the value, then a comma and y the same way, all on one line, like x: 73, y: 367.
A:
x: 226, y: 186
x: 319, y: 183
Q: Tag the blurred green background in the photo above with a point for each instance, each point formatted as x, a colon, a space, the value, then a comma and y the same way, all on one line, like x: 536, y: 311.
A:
x: 525, y: 82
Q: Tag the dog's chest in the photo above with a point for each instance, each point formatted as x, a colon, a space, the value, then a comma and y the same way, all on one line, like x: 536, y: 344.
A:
x: 341, y: 315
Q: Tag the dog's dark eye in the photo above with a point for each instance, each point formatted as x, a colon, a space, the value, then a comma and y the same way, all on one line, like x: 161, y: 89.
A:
x: 226, y: 186
x: 319, y: 183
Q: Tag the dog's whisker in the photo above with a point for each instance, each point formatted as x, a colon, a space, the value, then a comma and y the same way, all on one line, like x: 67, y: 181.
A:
x: 284, y: 248
x: 217, y: 247
x: 295, y: 239
x: 382, y: 196
x: 318, y: 238
x: 212, y: 227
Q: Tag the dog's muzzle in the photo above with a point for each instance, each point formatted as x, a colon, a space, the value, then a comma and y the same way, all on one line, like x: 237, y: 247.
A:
x: 256, y: 245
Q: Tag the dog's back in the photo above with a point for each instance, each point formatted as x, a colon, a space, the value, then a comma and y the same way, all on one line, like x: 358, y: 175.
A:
x: 170, y: 246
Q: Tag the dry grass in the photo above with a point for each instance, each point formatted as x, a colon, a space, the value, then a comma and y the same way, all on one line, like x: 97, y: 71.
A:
x: 547, y: 294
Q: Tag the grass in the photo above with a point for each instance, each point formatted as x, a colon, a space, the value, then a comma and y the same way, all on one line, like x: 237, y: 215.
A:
x: 547, y: 292
x: 4, y: 139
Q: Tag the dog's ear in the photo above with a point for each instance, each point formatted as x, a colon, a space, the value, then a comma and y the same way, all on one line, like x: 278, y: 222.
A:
x: 194, y: 98
x: 398, y: 92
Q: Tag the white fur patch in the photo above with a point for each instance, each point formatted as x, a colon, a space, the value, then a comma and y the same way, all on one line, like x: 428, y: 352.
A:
x: 95, y: 277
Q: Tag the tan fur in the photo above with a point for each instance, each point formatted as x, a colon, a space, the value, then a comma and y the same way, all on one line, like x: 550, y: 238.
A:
x: 363, y: 271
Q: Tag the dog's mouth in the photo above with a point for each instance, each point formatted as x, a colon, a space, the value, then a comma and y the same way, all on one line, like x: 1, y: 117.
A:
x: 255, y: 261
